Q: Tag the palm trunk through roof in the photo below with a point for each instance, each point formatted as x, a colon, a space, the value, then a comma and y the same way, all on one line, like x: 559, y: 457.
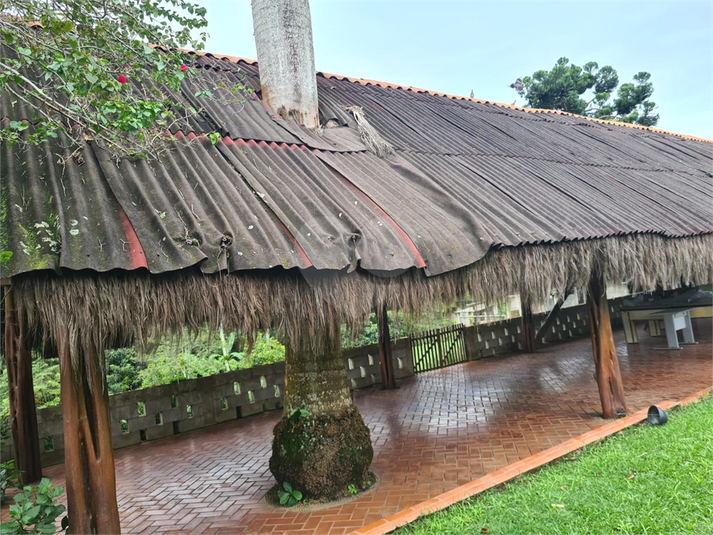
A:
x: 321, y: 445
x: 283, y: 41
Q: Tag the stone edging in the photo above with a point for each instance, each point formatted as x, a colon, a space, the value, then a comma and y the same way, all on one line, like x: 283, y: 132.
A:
x: 511, y: 471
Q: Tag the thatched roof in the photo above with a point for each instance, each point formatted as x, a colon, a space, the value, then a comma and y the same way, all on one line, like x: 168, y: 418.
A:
x: 477, y: 197
x: 124, y: 307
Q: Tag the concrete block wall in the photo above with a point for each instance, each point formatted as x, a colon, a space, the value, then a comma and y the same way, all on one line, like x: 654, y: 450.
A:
x: 363, y: 365
x: 506, y: 336
x: 161, y: 411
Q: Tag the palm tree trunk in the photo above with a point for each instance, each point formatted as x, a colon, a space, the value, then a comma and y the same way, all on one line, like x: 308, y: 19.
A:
x: 321, y: 445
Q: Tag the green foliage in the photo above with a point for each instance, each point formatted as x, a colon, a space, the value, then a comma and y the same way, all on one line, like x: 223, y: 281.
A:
x: 173, y: 367
x: 226, y: 345
x: 202, y: 355
x: 400, y: 326
x: 4, y: 396
x: 369, y: 335
x: 89, y: 63
x: 46, y: 380
x: 122, y: 370
x: 205, y: 355
x: 267, y: 350
x: 563, y: 88
x: 289, y: 496
x: 9, y: 476
x: 36, y: 510
x: 647, y: 479
x: 352, y: 489
x: 45, y: 377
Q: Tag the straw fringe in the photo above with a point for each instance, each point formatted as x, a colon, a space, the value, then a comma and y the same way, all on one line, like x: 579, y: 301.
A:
x: 369, y: 135
x: 96, y: 311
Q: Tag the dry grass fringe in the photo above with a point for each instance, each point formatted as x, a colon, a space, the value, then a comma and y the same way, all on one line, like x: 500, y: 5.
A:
x: 369, y: 135
x: 96, y: 311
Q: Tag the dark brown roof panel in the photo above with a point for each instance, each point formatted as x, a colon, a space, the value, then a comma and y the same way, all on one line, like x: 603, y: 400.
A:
x: 195, y: 208
x: 467, y: 176
x: 57, y: 211
x: 331, y: 220
x: 444, y: 232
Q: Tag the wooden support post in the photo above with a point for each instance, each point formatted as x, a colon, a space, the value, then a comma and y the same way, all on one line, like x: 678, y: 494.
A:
x: 388, y: 379
x: 608, y: 376
x: 88, y: 454
x: 528, y: 328
x: 23, y: 413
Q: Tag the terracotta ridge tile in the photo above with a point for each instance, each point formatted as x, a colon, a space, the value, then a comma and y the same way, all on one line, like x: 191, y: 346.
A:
x: 387, y: 85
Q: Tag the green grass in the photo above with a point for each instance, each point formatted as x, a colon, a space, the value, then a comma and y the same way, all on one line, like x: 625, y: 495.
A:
x: 643, y: 480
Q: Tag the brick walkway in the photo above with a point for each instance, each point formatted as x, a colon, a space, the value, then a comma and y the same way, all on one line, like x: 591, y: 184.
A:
x: 439, y: 430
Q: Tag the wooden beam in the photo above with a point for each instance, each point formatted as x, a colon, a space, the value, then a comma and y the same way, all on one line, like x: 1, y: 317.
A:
x: 23, y: 412
x: 551, y: 317
x: 388, y: 379
x: 607, y: 373
x: 88, y: 454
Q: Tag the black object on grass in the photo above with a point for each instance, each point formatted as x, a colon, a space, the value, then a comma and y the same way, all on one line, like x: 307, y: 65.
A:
x: 657, y: 416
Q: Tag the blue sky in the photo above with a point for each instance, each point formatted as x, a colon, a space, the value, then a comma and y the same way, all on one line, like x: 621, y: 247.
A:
x: 454, y: 47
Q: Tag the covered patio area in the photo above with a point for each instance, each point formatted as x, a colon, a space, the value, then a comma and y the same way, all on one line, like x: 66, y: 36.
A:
x: 441, y: 429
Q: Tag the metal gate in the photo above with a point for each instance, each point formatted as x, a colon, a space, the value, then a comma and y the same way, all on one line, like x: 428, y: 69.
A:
x: 438, y: 348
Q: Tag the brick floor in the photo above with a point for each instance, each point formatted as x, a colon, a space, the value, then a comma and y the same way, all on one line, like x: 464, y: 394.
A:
x: 493, y: 479
x: 440, y: 430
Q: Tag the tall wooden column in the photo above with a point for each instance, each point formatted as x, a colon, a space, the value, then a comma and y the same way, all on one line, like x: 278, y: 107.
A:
x: 88, y: 454
x: 528, y: 328
x: 23, y: 413
x: 388, y: 378
x: 611, y: 388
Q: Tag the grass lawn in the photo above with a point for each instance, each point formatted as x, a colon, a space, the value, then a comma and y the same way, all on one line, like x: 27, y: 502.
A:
x: 643, y: 480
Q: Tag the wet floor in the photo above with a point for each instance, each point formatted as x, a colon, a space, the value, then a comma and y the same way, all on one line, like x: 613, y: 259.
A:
x: 439, y: 430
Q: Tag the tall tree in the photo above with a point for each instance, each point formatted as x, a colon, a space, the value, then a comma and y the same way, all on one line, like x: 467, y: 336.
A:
x: 283, y: 40
x: 321, y: 445
x: 590, y: 91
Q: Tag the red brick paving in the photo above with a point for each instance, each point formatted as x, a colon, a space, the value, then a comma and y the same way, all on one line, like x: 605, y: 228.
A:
x: 440, y: 430
x: 492, y: 479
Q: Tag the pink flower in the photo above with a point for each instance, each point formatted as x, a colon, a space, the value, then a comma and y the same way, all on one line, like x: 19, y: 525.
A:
x: 184, y: 68
x: 122, y: 79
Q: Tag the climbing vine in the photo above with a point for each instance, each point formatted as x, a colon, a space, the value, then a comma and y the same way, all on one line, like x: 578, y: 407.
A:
x: 100, y: 70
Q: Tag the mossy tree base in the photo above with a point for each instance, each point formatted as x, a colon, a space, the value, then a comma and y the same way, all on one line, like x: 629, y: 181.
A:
x: 321, y: 455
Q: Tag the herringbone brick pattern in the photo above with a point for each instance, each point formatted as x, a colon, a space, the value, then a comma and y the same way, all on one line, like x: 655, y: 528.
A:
x: 441, y: 429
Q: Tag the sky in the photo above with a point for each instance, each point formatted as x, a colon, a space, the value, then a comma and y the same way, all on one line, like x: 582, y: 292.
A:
x: 484, y: 46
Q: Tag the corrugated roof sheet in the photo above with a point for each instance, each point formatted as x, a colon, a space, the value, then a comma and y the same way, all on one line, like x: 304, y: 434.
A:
x: 467, y: 176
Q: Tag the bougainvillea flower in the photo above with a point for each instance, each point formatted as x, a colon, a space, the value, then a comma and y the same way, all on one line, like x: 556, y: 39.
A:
x: 184, y: 68
x: 122, y: 79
